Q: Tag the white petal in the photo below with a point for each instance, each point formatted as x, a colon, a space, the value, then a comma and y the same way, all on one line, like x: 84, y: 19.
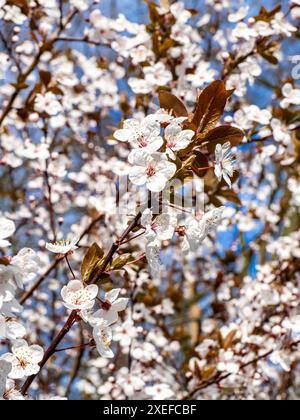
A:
x: 218, y: 172
x: 15, y: 330
x: 124, y: 135
x: 146, y: 217
x: 172, y: 131
x: 7, y: 228
x: 75, y: 285
x: 168, y: 171
x: 156, y: 183
x: 120, y: 305
x: 93, y: 291
x: 137, y: 175
x: 112, y: 295
x: 4, y: 244
x: 36, y: 354
x: 154, y: 144
x: 109, y: 317
x: 138, y: 157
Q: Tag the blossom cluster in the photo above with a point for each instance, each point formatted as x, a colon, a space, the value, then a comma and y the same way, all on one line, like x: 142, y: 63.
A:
x: 23, y: 360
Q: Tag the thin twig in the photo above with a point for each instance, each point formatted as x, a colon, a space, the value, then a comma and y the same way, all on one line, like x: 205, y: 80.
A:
x: 77, y: 364
x: 70, y: 268
x: 132, y: 238
x: 81, y: 40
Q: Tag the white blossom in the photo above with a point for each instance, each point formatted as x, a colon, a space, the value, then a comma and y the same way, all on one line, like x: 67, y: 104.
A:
x: 291, y: 96
x: 63, y: 247
x: 102, y: 334
x: 24, y: 359
x: 144, y: 134
x: 197, y: 231
x: 160, y: 228
x: 7, y: 229
x: 112, y: 305
x: 177, y: 139
x: 22, y: 266
x: 157, y: 75
x: 153, y: 170
x: 11, y: 329
x: 78, y: 297
x: 47, y: 103
x: 159, y: 392
x: 224, y: 166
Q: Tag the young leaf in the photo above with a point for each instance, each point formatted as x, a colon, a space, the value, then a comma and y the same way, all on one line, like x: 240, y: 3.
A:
x: 221, y: 135
x: 121, y: 261
x: 170, y: 102
x: 210, y: 106
x: 231, y: 196
x: 199, y: 163
x: 227, y: 342
x: 45, y: 77
x: 92, y: 257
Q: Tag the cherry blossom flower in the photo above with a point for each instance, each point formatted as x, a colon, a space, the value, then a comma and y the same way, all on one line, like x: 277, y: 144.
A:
x: 21, y: 266
x: 144, y: 134
x: 7, y: 229
x: 177, y: 139
x: 47, y: 103
x: 157, y: 75
x: 159, y: 392
x: 11, y: 329
x: 140, y: 86
x: 129, y: 382
x: 11, y: 393
x: 13, y: 13
x: 111, y: 306
x: 102, y: 334
x: 63, y: 247
x: 160, y: 228
x: 140, y: 54
x: 224, y: 166
x: 78, y: 297
x: 291, y: 96
x: 197, y: 231
x: 153, y: 170
x: 227, y: 362
x: 24, y: 359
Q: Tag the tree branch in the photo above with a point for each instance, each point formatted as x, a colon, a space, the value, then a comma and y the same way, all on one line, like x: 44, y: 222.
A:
x: 74, y: 315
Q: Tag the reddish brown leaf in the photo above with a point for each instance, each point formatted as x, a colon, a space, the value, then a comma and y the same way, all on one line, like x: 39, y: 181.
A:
x: 210, y: 107
x: 200, y: 165
x: 221, y: 135
x: 170, y: 102
x: 227, y: 342
x: 45, y: 77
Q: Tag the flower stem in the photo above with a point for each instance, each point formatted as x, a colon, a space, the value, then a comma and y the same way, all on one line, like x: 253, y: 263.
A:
x: 70, y: 268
